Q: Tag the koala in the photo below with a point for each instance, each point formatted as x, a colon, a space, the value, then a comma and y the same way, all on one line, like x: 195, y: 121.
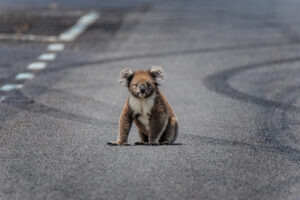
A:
x: 148, y: 108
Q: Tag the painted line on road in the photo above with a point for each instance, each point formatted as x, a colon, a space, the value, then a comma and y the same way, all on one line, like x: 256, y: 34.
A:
x: 36, y: 66
x: 10, y: 87
x: 2, y: 98
x: 72, y: 33
x: 24, y: 76
x: 80, y: 26
x: 56, y: 47
x: 39, y: 38
x: 47, y: 56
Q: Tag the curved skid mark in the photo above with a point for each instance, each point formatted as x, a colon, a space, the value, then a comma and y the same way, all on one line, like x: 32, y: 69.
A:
x: 167, y: 54
x: 219, y: 83
x: 75, y: 97
x: 289, y: 94
x: 34, y: 107
x: 286, y: 151
x: 273, y: 126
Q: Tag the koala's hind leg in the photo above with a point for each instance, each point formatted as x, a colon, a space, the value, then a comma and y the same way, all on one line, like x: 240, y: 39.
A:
x: 170, y: 134
x: 143, y: 137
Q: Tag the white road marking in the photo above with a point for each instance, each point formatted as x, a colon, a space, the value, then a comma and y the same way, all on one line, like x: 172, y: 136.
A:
x: 80, y: 26
x: 36, y: 66
x: 39, y: 38
x: 10, y: 87
x: 56, y: 47
x: 22, y: 76
x: 2, y: 98
x: 47, y: 56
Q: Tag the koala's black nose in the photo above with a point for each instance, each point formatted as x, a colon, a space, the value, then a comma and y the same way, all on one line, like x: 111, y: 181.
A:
x: 142, y: 88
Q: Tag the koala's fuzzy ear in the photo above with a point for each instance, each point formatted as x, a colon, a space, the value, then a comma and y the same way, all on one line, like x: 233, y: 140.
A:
x: 125, y: 75
x: 157, y: 73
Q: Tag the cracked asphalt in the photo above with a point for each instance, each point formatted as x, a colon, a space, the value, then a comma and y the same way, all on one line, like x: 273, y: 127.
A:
x: 232, y: 77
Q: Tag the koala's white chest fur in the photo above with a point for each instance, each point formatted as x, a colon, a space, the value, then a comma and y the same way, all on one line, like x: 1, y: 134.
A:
x: 143, y: 108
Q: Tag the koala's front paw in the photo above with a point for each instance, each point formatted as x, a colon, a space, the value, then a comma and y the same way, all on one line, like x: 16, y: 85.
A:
x: 165, y: 143
x: 153, y: 143
x: 118, y: 144
x: 140, y: 143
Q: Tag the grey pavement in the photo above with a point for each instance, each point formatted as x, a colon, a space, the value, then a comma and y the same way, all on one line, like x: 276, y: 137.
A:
x: 232, y: 77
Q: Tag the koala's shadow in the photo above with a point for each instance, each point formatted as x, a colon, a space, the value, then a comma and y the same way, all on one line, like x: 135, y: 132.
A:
x: 174, y: 144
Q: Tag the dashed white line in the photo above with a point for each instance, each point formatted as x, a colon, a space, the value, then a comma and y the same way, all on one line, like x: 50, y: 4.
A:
x: 80, y: 26
x: 36, y: 66
x: 10, y: 87
x: 47, y: 56
x: 38, y: 38
x: 2, y: 98
x: 56, y: 47
x: 22, y: 76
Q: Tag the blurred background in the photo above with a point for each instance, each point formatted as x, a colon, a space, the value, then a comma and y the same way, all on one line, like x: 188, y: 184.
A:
x: 232, y: 77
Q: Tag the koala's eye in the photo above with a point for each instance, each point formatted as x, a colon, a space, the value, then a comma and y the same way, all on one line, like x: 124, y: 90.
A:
x: 149, y: 84
x: 135, y: 84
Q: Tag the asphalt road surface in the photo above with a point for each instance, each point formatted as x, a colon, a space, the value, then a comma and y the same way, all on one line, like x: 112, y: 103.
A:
x: 232, y: 77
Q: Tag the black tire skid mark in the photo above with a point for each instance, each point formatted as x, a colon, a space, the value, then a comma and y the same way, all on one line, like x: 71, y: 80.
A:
x: 68, y: 66
x: 284, y: 117
x: 288, y: 152
x: 275, y: 121
x: 25, y: 103
x: 283, y: 103
x: 219, y: 83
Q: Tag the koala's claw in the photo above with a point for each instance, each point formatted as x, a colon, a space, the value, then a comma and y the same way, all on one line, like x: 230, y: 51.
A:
x: 118, y: 144
x: 140, y: 143
x: 153, y: 144
x: 165, y: 143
